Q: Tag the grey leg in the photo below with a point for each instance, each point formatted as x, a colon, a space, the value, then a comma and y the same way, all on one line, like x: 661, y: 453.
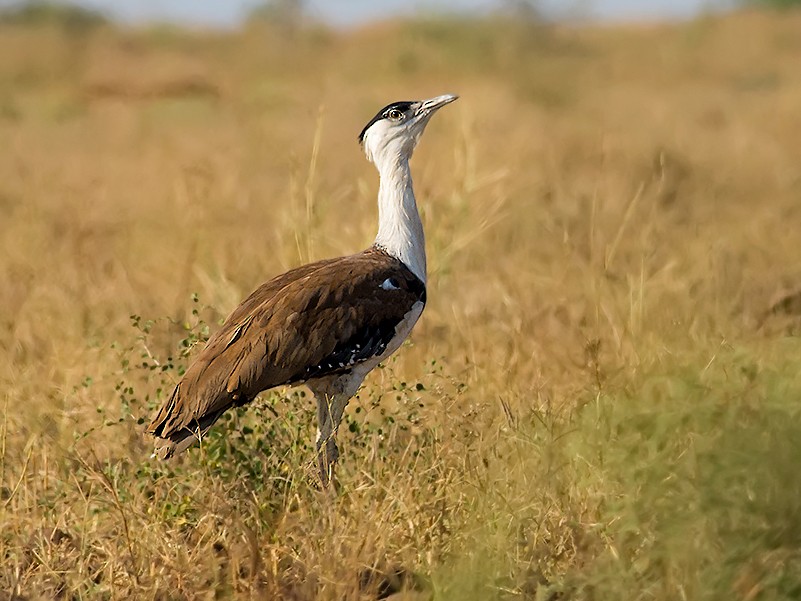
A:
x: 329, y: 413
x: 332, y: 395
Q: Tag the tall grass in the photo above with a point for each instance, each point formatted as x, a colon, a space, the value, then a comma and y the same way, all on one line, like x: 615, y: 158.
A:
x: 600, y: 402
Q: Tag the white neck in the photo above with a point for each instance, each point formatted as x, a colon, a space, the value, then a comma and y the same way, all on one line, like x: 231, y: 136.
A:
x: 400, y: 231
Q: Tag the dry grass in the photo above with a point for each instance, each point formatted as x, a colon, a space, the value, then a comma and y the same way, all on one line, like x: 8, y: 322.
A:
x: 600, y: 402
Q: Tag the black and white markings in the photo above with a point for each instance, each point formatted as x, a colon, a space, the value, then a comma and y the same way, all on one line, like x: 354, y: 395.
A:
x: 401, y: 106
x: 390, y: 284
x: 364, y: 345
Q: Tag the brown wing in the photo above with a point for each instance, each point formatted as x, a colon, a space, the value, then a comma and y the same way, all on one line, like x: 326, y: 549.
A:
x: 316, y: 320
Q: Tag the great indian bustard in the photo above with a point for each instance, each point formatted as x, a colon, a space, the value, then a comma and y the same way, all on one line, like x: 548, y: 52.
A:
x: 326, y: 324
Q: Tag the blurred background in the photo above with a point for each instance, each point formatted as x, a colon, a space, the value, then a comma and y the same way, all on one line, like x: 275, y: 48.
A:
x: 358, y: 12
x: 601, y: 400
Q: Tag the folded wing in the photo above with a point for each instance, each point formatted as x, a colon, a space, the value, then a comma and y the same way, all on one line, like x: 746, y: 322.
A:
x: 318, y: 320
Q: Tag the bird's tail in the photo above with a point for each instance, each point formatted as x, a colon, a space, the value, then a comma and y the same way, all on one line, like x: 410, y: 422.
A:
x: 175, y: 432
x: 167, y: 447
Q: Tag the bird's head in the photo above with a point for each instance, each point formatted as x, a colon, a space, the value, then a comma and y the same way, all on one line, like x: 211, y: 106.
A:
x: 393, y: 133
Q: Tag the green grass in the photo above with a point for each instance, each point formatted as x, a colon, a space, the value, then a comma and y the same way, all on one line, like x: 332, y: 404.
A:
x: 677, y: 485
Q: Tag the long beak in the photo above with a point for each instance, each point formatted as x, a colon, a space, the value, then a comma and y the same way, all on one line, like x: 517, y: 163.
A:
x: 432, y: 104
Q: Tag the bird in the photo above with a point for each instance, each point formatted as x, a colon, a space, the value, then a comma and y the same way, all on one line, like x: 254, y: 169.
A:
x: 326, y: 324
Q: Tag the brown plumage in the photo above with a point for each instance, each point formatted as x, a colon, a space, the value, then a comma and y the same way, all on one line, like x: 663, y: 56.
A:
x: 313, y: 322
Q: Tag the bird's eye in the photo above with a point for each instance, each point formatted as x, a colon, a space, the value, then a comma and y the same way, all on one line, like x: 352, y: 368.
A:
x: 394, y: 115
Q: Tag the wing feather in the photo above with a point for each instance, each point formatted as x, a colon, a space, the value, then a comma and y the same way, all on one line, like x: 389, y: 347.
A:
x: 316, y: 320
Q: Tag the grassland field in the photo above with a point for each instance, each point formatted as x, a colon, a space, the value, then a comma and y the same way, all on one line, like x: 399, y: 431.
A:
x: 602, y: 400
